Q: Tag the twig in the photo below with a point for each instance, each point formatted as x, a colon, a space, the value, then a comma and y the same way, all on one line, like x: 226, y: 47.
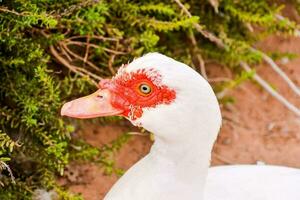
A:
x: 271, y: 91
x: 94, y: 46
x: 218, y: 79
x: 138, y: 133
x: 65, y: 53
x: 98, y: 78
x: 4, y: 9
x: 110, y: 64
x: 277, y: 69
x: 114, y: 51
x: 200, y: 29
x: 87, y: 49
x: 65, y: 47
x: 62, y: 60
x: 94, y: 37
x: 9, y: 171
x: 79, y: 43
x: 224, y: 160
x: 202, y: 65
x: 198, y: 55
x: 68, y: 65
x: 67, y: 32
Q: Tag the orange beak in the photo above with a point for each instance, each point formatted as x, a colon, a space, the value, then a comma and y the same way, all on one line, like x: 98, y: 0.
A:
x: 94, y: 105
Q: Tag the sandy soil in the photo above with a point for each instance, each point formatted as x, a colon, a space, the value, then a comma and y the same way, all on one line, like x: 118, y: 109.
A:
x: 256, y: 128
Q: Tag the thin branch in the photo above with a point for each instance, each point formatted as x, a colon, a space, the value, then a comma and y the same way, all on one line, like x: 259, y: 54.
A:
x: 98, y: 78
x: 114, y: 51
x: 138, y: 133
x: 82, y: 72
x: 223, y: 159
x: 65, y: 53
x: 271, y: 91
x: 87, y: 49
x: 200, y: 29
x: 94, y: 46
x: 69, y: 66
x: 9, y: 171
x: 198, y: 55
x: 4, y: 9
x: 202, y: 65
x: 62, y: 60
x: 78, y: 43
x: 277, y: 69
x: 65, y: 47
x: 94, y: 37
x: 219, y: 79
x: 222, y: 94
x: 110, y: 64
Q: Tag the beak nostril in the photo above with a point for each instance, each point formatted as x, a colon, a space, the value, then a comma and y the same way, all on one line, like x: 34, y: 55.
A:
x: 99, y: 96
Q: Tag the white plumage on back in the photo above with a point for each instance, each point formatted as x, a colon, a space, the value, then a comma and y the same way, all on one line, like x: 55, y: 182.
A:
x: 250, y: 182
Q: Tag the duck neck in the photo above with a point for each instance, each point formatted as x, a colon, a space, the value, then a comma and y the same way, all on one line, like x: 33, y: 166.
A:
x: 189, y: 156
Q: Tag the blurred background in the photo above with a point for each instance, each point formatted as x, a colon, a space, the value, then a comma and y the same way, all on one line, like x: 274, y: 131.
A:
x: 54, y: 51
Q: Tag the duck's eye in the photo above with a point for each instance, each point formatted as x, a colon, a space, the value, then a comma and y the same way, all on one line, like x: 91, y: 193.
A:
x: 145, y: 89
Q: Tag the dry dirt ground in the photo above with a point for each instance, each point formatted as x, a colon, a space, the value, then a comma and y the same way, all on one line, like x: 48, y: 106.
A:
x: 256, y: 128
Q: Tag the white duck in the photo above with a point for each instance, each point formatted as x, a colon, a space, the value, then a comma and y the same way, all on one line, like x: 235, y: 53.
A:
x: 174, y: 102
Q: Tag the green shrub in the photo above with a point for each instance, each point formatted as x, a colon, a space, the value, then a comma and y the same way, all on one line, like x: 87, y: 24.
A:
x: 54, y: 50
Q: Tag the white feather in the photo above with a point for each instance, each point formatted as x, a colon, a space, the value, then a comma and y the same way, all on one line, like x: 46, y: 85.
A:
x: 177, y: 167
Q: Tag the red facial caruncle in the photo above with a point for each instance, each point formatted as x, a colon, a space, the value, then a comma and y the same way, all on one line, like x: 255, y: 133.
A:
x: 133, y: 91
x: 127, y: 94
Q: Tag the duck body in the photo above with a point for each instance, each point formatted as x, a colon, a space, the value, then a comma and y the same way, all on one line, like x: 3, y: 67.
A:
x: 252, y: 182
x: 149, y: 180
x: 179, y: 107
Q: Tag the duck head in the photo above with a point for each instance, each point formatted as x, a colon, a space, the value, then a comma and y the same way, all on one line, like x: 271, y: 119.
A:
x: 156, y: 92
